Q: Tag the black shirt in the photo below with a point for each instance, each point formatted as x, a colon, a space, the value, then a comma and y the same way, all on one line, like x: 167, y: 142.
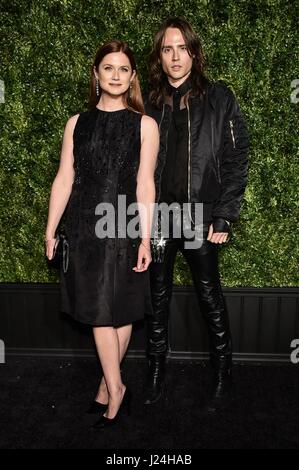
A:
x: 174, y: 184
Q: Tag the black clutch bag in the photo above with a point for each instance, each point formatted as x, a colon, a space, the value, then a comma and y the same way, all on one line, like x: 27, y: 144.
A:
x: 60, y: 256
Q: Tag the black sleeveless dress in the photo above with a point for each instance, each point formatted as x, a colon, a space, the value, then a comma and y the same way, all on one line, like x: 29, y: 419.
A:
x: 100, y: 288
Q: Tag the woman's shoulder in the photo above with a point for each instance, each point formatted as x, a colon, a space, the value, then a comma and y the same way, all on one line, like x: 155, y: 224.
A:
x: 149, y: 128
x: 71, y: 124
x: 149, y: 123
x: 72, y: 121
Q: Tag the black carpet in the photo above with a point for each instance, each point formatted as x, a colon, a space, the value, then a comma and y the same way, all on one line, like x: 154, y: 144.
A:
x: 43, y: 403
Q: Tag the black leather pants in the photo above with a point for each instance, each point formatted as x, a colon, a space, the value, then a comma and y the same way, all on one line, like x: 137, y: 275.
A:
x: 203, y: 263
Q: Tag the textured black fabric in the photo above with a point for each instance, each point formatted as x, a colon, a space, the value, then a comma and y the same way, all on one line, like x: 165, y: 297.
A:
x: 100, y: 287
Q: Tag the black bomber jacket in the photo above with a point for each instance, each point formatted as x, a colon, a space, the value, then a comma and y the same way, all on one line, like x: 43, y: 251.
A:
x: 218, y: 146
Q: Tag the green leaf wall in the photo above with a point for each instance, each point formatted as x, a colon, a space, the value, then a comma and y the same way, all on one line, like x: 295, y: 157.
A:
x: 45, y: 56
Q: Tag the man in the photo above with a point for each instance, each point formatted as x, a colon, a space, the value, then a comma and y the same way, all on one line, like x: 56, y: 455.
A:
x: 202, y: 160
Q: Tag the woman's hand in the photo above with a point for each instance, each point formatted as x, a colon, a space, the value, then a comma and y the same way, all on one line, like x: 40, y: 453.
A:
x: 50, y: 244
x: 144, y: 257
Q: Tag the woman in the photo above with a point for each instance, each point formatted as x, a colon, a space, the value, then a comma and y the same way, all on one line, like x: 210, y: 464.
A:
x: 108, y: 151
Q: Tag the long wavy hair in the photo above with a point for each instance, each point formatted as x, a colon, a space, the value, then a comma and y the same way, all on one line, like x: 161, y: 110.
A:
x: 132, y: 98
x: 157, y: 77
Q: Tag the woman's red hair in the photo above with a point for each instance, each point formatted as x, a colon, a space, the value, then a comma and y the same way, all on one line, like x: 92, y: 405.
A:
x: 132, y: 97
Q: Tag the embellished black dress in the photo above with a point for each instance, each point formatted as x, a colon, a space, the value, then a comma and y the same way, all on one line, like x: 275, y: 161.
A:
x: 100, y: 287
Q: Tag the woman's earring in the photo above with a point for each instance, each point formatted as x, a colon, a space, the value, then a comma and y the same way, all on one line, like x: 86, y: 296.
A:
x: 130, y: 90
x: 97, y: 88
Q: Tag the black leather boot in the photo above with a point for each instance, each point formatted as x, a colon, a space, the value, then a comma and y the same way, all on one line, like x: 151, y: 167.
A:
x: 222, y: 392
x: 155, y: 379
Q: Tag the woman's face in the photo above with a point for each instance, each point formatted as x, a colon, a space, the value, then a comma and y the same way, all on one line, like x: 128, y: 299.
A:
x: 115, y: 73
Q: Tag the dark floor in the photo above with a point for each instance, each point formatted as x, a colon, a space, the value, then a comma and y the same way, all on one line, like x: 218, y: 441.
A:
x: 43, y: 402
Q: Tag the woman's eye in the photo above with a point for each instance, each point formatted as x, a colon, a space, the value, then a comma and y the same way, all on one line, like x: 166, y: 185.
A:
x: 107, y: 68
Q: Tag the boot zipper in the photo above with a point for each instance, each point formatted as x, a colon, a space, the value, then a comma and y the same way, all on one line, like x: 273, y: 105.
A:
x: 232, y: 133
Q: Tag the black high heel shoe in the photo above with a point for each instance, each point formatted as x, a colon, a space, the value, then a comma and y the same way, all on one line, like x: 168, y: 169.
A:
x: 96, y: 407
x: 125, y: 405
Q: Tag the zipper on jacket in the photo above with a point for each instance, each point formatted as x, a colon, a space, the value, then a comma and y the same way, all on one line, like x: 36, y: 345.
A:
x: 232, y: 133
x: 189, y: 163
x: 215, y: 157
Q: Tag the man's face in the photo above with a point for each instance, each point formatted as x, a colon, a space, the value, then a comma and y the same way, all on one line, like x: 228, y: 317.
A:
x: 175, y: 59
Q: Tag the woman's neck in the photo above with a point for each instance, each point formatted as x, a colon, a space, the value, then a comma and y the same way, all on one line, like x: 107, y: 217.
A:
x: 110, y: 103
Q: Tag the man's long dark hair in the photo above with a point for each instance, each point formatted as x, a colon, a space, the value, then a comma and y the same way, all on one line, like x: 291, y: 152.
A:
x: 157, y: 77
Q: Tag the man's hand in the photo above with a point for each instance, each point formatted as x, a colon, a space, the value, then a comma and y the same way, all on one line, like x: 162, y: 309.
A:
x: 217, y: 237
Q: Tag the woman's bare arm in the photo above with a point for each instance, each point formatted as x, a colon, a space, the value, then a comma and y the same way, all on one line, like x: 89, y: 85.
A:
x: 146, y: 185
x: 62, y: 184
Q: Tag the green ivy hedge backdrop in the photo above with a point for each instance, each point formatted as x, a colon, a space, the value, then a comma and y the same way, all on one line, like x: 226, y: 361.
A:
x: 46, y: 52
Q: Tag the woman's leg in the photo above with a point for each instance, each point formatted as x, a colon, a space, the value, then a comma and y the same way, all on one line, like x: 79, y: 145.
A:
x: 124, y: 335
x: 111, y: 345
